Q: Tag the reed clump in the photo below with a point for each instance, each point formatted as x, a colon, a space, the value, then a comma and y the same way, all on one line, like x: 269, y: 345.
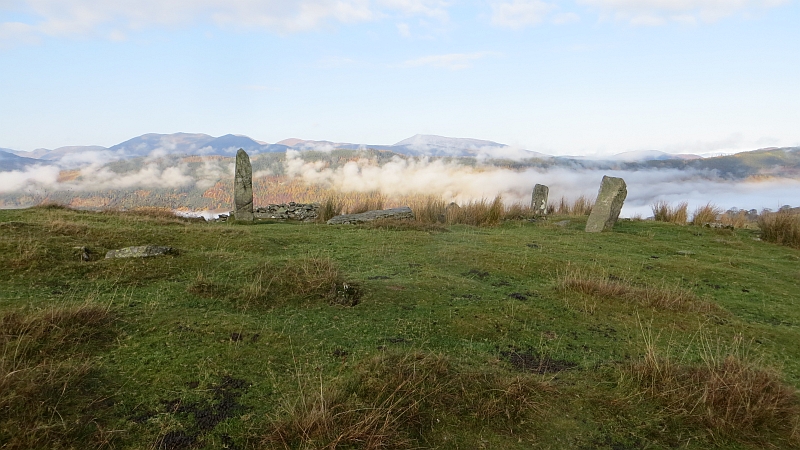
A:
x: 394, y: 399
x: 782, y: 227
x: 664, y: 212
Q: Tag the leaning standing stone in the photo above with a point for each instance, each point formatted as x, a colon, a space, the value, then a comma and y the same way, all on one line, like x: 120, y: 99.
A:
x: 605, y: 211
x: 243, y: 187
x: 539, y: 199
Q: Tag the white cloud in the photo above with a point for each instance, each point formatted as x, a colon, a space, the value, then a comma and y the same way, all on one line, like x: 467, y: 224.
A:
x: 404, y: 30
x: 518, y: 14
x: 656, y: 12
x: 565, y: 18
x: 452, y: 61
x: 114, y: 19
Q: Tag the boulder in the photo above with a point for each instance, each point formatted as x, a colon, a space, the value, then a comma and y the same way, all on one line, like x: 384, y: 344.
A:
x: 404, y: 212
x: 539, y: 199
x: 243, y: 187
x: 608, y: 205
x: 142, y: 251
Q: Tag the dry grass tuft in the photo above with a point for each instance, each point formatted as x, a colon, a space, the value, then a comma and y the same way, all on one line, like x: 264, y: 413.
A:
x: 429, y: 209
x: 43, y: 369
x: 581, y: 206
x: 724, y: 393
x: 780, y: 227
x: 735, y: 219
x: 663, y: 212
x: 331, y: 207
x: 371, y: 201
x: 394, y: 399
x: 518, y: 211
x: 653, y: 296
x: 477, y: 213
x: 706, y: 214
x: 301, y: 279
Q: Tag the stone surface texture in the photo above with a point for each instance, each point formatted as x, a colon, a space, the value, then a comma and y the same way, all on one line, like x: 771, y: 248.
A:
x: 404, y: 212
x: 304, y: 212
x: 243, y: 188
x: 608, y: 205
x: 539, y: 199
x: 142, y: 251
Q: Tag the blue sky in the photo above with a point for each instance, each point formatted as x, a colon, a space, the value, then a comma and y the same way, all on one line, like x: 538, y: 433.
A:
x: 557, y: 76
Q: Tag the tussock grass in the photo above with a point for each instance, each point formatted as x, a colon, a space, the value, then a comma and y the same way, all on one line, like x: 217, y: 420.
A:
x: 429, y: 209
x: 371, y: 201
x: 736, y: 219
x: 331, y: 207
x: 660, y: 296
x: 706, y: 214
x: 780, y: 227
x: 726, y: 393
x: 306, y: 279
x: 478, y: 213
x: 394, y: 400
x: 44, y: 367
x: 664, y: 212
x: 518, y: 211
x: 581, y: 206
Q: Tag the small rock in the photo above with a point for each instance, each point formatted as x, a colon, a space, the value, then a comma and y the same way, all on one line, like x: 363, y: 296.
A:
x: 685, y: 252
x: 142, y: 251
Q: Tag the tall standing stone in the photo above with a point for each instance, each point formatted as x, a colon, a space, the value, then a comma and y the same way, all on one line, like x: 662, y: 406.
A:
x: 605, y: 211
x: 243, y: 187
x: 539, y: 199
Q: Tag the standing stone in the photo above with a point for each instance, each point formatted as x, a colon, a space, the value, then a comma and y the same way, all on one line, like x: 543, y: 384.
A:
x: 243, y: 187
x: 539, y: 199
x: 605, y: 211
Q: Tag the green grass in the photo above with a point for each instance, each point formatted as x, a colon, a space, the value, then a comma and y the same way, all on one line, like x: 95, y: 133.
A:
x: 272, y: 335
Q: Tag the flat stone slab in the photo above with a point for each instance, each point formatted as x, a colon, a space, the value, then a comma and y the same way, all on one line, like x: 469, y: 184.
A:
x: 141, y: 251
x: 404, y: 212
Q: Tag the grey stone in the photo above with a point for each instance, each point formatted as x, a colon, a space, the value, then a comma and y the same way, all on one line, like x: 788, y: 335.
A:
x: 562, y: 223
x: 608, y: 205
x: 404, y: 212
x: 539, y: 199
x: 142, y: 251
x: 243, y: 187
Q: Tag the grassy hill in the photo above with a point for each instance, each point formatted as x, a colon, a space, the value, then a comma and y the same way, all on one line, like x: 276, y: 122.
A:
x: 274, y: 335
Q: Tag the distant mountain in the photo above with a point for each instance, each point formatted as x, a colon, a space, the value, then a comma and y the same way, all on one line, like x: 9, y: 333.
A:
x: 650, y: 155
x: 9, y: 161
x: 302, y: 144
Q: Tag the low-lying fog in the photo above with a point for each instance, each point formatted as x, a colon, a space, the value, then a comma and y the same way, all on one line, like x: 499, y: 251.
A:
x: 451, y: 180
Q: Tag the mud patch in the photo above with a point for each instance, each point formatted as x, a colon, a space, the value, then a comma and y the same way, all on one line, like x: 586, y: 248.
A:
x: 531, y: 361
x: 200, y: 417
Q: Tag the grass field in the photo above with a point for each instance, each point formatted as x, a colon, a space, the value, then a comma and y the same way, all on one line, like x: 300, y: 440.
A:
x: 401, y: 335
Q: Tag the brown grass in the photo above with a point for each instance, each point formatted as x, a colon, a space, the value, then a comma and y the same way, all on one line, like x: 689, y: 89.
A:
x: 331, y: 207
x: 581, y: 206
x: 44, y: 365
x: 736, y: 219
x: 664, y: 212
x: 518, y: 211
x: 429, y: 209
x: 661, y: 296
x: 780, y: 227
x: 371, y: 201
x: 298, y: 279
x: 394, y: 400
x: 725, y: 393
x: 705, y: 214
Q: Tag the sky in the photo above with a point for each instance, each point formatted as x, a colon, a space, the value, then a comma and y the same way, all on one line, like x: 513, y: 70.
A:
x: 562, y: 77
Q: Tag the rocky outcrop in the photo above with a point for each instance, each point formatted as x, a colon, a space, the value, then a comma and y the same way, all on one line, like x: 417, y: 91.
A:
x: 302, y: 212
x: 243, y: 188
x: 608, y: 205
x: 404, y: 212
x: 142, y: 251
